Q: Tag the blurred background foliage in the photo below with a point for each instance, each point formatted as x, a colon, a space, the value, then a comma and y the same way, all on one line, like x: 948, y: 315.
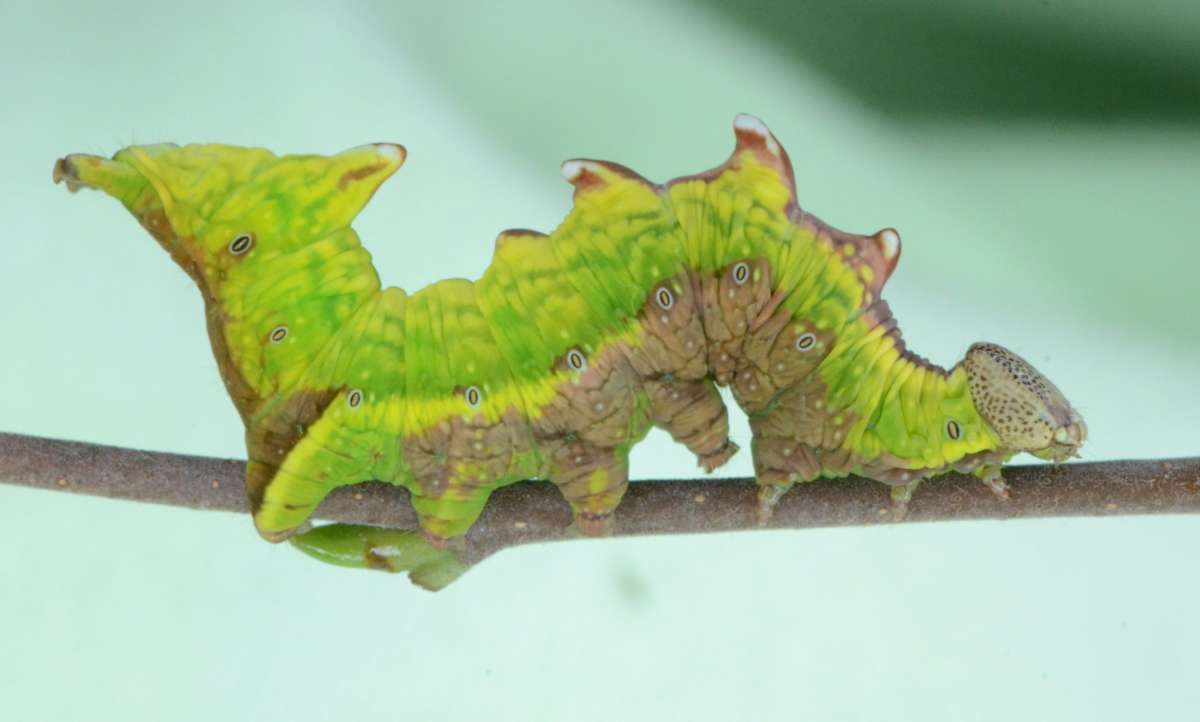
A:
x: 994, y: 62
x: 1040, y: 159
x: 997, y: 102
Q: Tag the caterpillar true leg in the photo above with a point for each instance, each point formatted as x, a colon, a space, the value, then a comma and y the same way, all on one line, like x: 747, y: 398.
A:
x: 990, y: 475
x: 901, y: 494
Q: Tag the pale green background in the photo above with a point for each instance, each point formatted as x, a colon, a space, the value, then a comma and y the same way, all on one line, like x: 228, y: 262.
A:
x: 1041, y: 163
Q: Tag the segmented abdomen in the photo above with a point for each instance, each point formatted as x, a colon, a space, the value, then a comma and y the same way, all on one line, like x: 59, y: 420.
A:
x: 556, y: 361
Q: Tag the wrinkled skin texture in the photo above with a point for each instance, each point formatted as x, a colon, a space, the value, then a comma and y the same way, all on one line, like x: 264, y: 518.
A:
x: 570, y: 346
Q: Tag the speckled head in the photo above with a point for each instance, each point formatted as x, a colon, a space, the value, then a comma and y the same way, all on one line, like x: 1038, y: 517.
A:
x: 1025, y: 410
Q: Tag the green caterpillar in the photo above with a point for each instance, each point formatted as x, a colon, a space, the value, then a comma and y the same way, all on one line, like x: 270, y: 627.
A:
x: 571, y: 345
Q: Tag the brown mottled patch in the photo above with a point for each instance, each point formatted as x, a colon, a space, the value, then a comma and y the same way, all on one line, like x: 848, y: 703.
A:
x: 585, y: 428
x: 728, y: 310
x: 185, y: 253
x: 245, y: 398
x: 673, y: 341
x: 671, y: 363
x: 269, y: 441
x: 359, y: 173
x: 434, y: 455
x: 796, y: 438
x: 572, y: 465
x: 771, y: 361
x: 596, y: 405
x: 781, y: 461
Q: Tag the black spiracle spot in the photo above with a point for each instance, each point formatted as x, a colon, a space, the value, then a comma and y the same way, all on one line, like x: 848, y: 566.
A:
x: 576, y: 360
x: 241, y: 243
x: 953, y: 430
x: 664, y: 298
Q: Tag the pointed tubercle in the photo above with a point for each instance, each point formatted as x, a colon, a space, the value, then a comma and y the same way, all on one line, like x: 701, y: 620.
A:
x: 753, y: 134
x: 586, y: 174
x: 512, y: 233
x: 888, y: 243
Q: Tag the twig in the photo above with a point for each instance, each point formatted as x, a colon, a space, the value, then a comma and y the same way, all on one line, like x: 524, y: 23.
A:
x: 535, y: 512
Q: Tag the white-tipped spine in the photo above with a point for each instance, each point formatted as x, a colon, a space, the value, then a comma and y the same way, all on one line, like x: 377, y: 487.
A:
x: 750, y: 124
x: 889, y: 243
x: 393, y: 151
x: 574, y: 169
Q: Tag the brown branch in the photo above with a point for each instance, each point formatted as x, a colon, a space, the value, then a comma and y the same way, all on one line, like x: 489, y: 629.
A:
x: 535, y: 512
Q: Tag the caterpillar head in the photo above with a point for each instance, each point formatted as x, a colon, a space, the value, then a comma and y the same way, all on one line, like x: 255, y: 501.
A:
x: 1025, y: 410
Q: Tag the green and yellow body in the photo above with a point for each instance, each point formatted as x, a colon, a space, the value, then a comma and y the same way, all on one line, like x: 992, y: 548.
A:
x: 571, y: 345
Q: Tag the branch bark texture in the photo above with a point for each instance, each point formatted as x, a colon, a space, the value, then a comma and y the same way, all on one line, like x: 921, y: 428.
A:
x: 535, y: 512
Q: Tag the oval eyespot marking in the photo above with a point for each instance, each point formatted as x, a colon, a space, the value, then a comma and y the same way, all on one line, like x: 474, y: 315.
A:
x: 664, y: 298
x: 576, y: 359
x: 241, y: 243
x: 953, y: 430
x: 805, y: 342
x: 473, y: 396
x: 279, y: 333
x: 741, y: 273
x: 354, y: 399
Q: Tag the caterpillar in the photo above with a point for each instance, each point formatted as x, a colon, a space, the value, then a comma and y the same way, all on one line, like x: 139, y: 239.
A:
x: 570, y: 346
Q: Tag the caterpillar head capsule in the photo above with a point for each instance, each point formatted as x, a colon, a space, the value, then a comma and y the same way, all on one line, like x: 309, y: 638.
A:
x: 1025, y: 410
